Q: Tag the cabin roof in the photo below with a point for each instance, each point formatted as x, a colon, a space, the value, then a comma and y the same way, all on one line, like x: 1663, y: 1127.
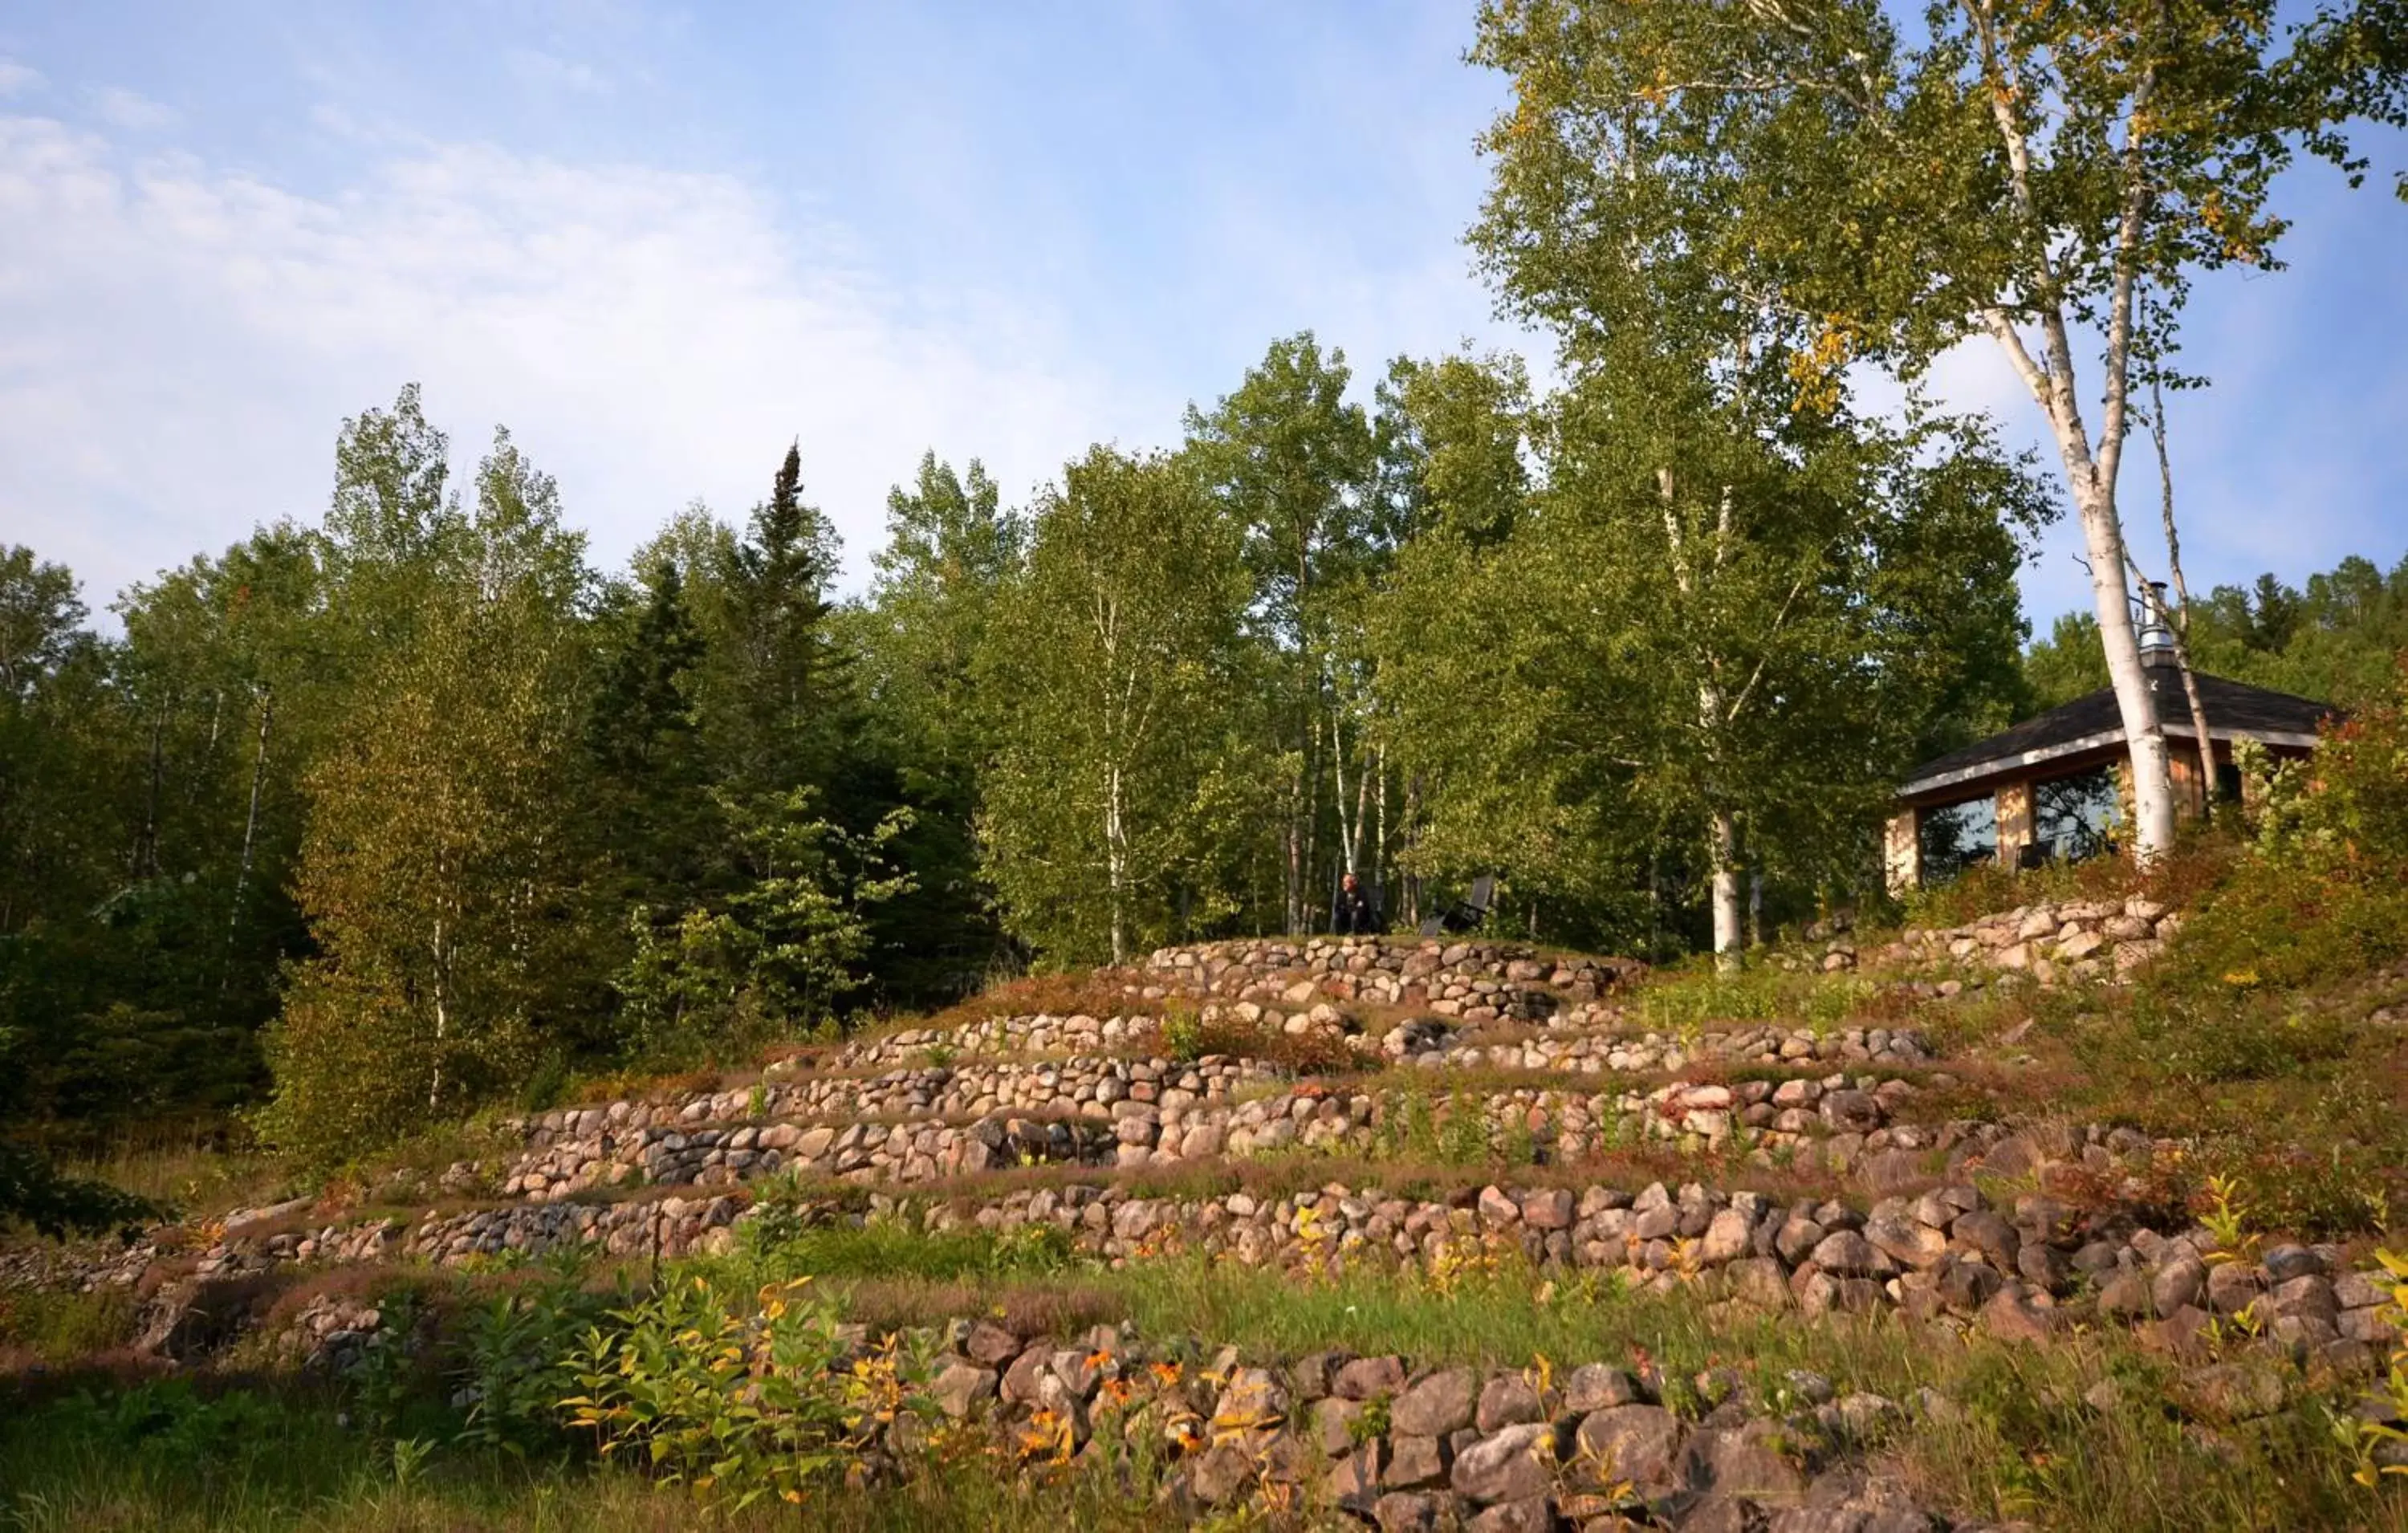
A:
x: 2235, y: 711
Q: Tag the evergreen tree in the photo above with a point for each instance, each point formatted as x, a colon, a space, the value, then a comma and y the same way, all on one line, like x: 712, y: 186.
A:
x: 653, y: 780
x: 930, y: 731
x: 780, y: 694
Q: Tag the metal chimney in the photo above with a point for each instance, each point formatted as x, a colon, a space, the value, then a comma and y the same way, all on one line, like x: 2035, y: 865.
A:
x: 2156, y: 639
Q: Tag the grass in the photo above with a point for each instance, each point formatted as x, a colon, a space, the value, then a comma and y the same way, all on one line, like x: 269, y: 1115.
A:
x: 164, y: 1458
x: 195, y: 1175
x: 2023, y: 1440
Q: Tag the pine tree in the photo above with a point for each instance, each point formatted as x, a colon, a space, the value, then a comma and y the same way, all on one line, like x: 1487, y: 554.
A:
x: 780, y: 698
x: 646, y: 745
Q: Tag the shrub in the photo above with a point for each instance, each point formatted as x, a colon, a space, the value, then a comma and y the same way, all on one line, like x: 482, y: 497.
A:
x: 737, y: 1402
x: 512, y: 1363
x: 2323, y: 892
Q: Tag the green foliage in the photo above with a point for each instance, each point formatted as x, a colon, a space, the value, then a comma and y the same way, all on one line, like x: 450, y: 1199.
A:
x: 739, y: 1403
x: 1182, y: 1032
x: 438, y: 870
x: 788, y: 947
x: 66, y: 1328
x: 2069, y: 662
x: 2322, y: 894
x: 34, y: 1193
x: 513, y: 1363
x: 1121, y: 766
x: 1684, y: 1003
x: 2337, y: 640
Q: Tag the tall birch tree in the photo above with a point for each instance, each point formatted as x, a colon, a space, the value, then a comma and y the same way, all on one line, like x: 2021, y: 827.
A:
x: 2012, y: 171
x: 1117, y: 656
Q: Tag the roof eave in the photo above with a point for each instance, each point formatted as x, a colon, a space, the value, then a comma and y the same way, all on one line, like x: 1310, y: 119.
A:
x: 2003, y: 766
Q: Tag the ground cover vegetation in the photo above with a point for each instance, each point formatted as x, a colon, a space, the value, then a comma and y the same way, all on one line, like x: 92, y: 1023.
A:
x: 523, y: 1045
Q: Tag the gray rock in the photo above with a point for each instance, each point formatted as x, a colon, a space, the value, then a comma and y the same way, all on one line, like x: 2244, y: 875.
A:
x: 2284, y: 1263
x: 1906, y: 1240
x: 2178, y: 1284
x: 1598, y: 1386
x: 2126, y: 1295
x: 1413, y: 1461
x: 1253, y: 1401
x: 1442, y: 1402
x: 1334, y: 1425
x: 1746, y: 1462
x: 1993, y: 1236
x: 1515, y: 1464
x: 1508, y: 1400
x: 1640, y: 1443
x: 1550, y: 1208
x: 1535, y: 1514
x: 1727, y: 1237
x: 1410, y: 1511
x: 2232, y: 1288
x: 960, y: 1388
x: 1848, y: 1255
x: 990, y: 1345
x: 1353, y: 1483
x: 1369, y: 1378
x: 1222, y: 1474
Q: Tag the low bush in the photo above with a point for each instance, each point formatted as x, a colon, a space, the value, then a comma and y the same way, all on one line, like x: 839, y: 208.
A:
x: 740, y: 1401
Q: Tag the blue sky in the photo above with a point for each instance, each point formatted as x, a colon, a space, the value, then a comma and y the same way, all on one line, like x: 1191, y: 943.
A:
x: 659, y: 242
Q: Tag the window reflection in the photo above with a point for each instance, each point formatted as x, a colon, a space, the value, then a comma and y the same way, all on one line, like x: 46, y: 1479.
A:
x: 2076, y: 817
x: 1957, y: 836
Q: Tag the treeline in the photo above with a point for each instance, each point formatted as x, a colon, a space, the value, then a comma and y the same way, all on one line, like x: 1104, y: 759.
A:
x: 375, y: 819
x: 2337, y: 640
x: 413, y: 808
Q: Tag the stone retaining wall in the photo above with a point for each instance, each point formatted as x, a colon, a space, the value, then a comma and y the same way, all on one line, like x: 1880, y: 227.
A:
x: 1477, y: 980
x: 1178, y: 1122
x: 2076, y: 940
x: 1075, y: 1084
x: 2021, y: 1269
x: 1432, y: 1039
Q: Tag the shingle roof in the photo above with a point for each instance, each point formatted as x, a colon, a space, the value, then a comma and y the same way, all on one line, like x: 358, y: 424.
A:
x: 2235, y: 710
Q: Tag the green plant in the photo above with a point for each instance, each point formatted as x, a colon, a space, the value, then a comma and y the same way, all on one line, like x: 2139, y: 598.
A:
x: 737, y: 1403
x: 1182, y: 1032
x: 1463, y: 1131
x: 510, y: 1364
x: 384, y: 1377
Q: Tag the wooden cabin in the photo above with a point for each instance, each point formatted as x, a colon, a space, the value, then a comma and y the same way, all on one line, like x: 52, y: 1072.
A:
x: 2058, y: 785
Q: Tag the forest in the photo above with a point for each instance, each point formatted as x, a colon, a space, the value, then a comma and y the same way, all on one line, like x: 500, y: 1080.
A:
x: 378, y: 815
x: 363, y: 823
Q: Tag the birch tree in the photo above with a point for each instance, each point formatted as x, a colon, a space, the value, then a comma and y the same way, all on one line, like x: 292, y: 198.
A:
x: 437, y: 873
x: 2010, y: 171
x: 1710, y: 638
x: 1116, y: 656
x: 1292, y: 464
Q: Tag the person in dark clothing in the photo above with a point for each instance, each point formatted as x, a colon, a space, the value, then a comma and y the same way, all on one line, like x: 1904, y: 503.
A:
x: 1353, y: 916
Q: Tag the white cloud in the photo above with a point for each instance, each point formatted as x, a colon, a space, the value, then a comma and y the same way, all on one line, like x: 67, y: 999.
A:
x: 17, y: 78
x: 179, y: 342
x: 132, y: 111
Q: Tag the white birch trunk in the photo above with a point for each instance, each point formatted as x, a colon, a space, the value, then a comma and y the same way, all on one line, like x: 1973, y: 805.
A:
x: 2152, y: 795
x: 1116, y: 862
x: 2091, y: 477
x: 1723, y: 847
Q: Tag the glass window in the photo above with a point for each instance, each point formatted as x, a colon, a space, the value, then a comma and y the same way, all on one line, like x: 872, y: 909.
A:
x: 1955, y: 837
x: 2076, y: 817
x: 2228, y: 783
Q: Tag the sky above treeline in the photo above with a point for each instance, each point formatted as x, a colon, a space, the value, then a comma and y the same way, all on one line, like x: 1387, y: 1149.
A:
x: 659, y: 242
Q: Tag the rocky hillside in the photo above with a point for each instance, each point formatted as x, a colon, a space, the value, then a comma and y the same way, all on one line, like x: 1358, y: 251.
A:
x: 1857, y: 1153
